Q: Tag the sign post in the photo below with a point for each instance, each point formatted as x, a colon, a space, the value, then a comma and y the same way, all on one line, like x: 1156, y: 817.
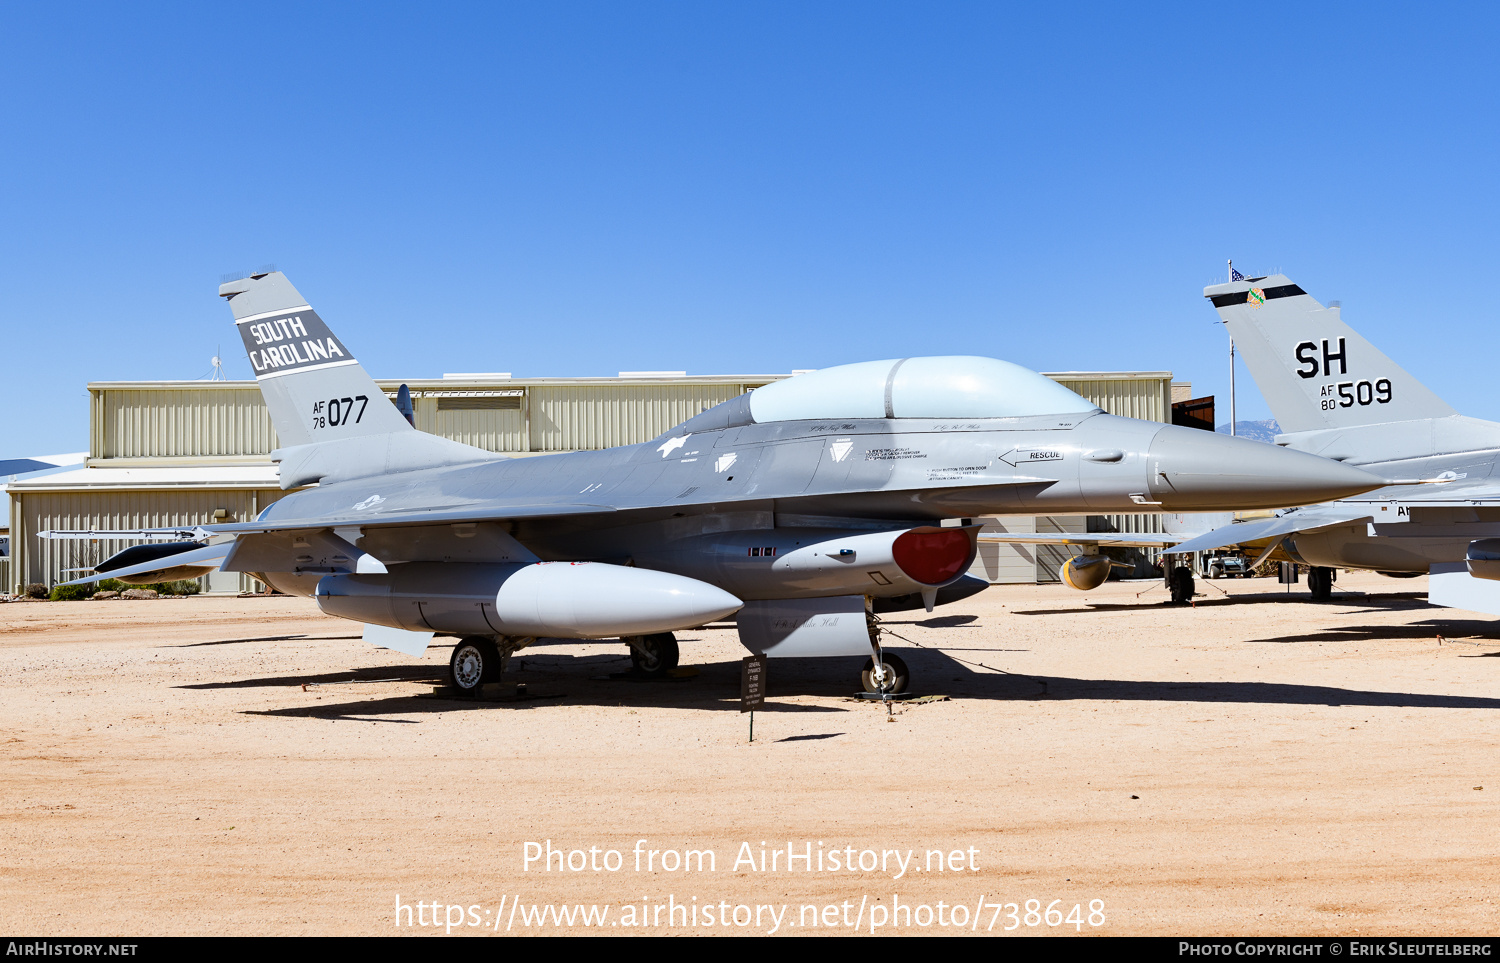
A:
x: 752, y: 686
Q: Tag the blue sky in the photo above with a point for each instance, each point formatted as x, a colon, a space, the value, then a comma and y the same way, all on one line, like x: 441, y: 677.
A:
x: 579, y: 189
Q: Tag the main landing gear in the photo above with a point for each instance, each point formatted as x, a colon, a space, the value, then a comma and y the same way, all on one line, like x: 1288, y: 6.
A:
x: 1180, y: 582
x: 1320, y: 583
x: 652, y: 656
x: 476, y: 661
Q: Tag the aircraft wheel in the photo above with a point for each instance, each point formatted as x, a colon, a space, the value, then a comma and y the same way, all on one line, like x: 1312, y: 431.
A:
x: 476, y: 660
x: 653, y: 655
x: 896, y: 674
x: 1320, y: 583
x: 1182, y: 585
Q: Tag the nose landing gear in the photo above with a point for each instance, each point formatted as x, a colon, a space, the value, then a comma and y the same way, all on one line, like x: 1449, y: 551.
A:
x: 890, y: 678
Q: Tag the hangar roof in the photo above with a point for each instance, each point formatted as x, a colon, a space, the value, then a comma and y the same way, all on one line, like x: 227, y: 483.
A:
x: 93, y: 479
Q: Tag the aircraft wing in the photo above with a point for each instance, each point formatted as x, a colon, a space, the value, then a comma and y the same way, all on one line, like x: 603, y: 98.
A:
x: 1454, y: 494
x: 1308, y: 520
x: 473, y: 513
x: 1094, y: 539
x: 498, y: 510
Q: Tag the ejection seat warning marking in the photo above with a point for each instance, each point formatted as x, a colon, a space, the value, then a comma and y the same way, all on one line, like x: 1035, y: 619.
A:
x: 840, y: 449
x: 893, y: 454
x: 955, y: 473
x: 1030, y: 456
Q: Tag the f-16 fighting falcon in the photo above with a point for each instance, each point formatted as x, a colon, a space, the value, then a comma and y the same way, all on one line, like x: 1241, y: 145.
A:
x: 1335, y: 395
x: 801, y: 508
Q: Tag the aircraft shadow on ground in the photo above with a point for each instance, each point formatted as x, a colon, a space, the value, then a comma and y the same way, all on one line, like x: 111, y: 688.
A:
x: 437, y: 674
x: 1379, y: 603
x: 563, y: 681
x: 268, y: 638
x: 1425, y: 632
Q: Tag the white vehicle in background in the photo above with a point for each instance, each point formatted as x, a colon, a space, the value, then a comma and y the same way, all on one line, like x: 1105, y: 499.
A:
x: 1226, y: 566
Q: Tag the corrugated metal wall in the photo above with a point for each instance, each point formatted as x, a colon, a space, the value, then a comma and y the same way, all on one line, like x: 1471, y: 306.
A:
x: 1146, y: 398
x: 494, y: 420
x: 177, y: 422
x: 1002, y: 563
x: 51, y: 561
x: 569, y: 418
x: 230, y: 420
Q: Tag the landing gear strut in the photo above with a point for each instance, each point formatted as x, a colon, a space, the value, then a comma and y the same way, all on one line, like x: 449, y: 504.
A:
x: 884, y: 673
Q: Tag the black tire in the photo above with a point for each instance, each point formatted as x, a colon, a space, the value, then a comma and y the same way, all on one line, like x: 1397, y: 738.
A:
x: 1182, y: 586
x: 1320, y: 583
x: 897, y: 675
x: 654, y: 656
x: 475, y: 662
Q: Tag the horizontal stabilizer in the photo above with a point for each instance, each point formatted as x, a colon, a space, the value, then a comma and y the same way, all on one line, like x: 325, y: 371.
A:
x: 209, y: 557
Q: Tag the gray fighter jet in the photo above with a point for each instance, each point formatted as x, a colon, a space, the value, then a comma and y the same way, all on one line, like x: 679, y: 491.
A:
x: 1335, y: 395
x: 801, y: 508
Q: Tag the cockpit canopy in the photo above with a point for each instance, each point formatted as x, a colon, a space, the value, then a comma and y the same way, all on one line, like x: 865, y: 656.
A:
x: 952, y: 386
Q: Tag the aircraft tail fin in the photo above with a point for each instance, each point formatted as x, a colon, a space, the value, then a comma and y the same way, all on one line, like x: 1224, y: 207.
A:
x: 1314, y: 370
x: 314, y: 388
x: 334, y: 422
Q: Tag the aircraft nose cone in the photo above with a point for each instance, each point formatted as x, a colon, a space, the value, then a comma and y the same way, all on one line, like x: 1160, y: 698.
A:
x: 1196, y: 470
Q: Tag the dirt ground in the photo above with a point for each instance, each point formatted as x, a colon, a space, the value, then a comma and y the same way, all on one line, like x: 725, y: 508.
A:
x: 1252, y: 765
